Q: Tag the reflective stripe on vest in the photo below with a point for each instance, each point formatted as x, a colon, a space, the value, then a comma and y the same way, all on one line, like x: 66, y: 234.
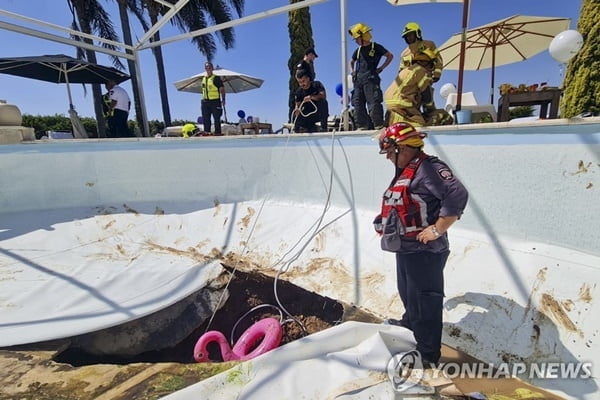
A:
x: 106, y: 103
x: 209, y: 90
x: 411, y: 208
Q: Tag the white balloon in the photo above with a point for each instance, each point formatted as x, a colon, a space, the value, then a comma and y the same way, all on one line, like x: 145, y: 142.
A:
x: 446, y: 89
x: 565, y: 45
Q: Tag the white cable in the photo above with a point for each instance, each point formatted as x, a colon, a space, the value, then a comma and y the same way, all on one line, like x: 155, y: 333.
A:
x: 299, y: 109
x: 232, y: 274
x: 250, y: 311
x: 315, y: 227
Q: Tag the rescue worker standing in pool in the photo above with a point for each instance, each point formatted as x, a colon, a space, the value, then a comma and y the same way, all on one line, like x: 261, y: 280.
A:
x: 365, y: 70
x: 423, y: 200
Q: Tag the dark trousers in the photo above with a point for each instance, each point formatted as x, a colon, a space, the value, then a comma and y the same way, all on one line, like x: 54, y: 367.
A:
x: 367, y: 101
x: 117, y: 125
x: 421, y: 286
x: 309, y: 116
x: 212, y: 108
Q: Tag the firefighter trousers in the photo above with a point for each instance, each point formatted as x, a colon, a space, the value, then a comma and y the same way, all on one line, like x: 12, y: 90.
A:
x: 367, y: 99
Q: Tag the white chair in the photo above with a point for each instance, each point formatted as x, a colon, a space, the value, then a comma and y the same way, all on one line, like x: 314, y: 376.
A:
x: 468, y: 102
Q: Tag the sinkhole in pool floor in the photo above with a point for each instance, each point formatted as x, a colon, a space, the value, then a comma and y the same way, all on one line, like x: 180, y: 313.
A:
x: 310, y: 313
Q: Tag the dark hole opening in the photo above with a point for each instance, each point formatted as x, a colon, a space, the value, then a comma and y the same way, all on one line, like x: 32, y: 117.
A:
x: 246, y: 290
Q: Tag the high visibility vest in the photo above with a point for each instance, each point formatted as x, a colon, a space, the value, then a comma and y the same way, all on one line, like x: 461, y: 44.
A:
x: 209, y: 90
x: 106, y: 103
x: 411, y: 209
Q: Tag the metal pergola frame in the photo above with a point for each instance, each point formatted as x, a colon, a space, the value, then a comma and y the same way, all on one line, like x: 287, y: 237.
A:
x: 144, y: 42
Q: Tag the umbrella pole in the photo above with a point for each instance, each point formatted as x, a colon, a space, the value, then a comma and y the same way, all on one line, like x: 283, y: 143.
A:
x: 461, y: 64
x: 345, y: 90
x: 493, y: 74
x: 64, y: 67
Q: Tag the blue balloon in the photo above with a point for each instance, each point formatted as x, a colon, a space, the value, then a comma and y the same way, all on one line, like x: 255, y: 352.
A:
x: 200, y: 120
x: 241, y: 113
x: 339, y: 89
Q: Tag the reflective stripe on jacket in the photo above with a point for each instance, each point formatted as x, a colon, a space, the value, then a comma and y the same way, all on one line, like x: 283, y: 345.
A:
x: 107, y: 111
x: 407, y: 58
x: 411, y: 208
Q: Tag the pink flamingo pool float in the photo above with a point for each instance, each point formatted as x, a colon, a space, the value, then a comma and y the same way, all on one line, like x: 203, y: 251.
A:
x: 267, y: 329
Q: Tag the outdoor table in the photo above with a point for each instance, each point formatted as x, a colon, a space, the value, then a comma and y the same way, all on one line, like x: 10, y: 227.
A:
x: 256, y: 127
x: 543, y: 98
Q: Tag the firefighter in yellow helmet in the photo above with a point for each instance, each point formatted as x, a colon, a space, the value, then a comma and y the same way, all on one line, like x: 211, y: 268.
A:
x: 367, y: 96
x: 410, y: 98
x: 425, y: 52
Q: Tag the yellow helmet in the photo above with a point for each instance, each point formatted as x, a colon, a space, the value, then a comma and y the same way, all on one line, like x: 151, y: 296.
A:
x: 188, y: 129
x: 412, y: 27
x: 357, y: 30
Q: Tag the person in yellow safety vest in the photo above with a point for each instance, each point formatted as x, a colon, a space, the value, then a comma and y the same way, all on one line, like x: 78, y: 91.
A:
x: 213, y: 99
x: 417, y: 47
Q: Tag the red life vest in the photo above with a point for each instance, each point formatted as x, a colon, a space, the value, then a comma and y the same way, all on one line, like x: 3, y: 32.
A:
x: 411, y: 209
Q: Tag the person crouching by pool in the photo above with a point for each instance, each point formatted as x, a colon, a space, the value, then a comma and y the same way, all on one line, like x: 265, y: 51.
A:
x: 311, y: 104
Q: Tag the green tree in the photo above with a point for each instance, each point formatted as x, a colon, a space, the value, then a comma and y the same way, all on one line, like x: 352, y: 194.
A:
x: 301, y: 38
x: 582, y: 80
x: 41, y: 124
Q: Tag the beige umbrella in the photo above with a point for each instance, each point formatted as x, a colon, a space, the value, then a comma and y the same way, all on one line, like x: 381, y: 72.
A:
x: 234, y: 82
x: 501, y: 42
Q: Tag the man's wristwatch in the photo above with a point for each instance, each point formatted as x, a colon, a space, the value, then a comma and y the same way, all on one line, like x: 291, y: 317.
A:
x: 435, y: 231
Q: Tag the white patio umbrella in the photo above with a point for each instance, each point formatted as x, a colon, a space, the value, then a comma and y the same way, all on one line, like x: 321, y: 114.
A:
x: 501, y: 42
x: 234, y: 82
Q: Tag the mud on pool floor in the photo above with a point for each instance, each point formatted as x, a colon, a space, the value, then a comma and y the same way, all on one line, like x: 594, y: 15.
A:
x: 53, y: 370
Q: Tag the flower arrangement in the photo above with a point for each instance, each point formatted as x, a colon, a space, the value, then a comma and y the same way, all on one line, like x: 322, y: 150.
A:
x: 522, y: 88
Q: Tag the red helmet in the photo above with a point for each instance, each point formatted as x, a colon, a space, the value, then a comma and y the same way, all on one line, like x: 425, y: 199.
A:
x: 396, y: 133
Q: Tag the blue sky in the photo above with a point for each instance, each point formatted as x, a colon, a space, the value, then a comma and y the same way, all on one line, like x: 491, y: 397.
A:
x: 262, y: 50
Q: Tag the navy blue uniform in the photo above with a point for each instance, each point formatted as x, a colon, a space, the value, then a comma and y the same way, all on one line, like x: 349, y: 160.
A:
x: 419, y: 266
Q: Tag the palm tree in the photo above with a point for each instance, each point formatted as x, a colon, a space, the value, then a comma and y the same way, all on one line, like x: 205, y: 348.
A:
x: 89, y: 17
x: 193, y: 16
x: 301, y: 38
x: 124, y: 5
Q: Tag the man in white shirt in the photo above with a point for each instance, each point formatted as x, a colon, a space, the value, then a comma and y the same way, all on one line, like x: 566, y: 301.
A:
x: 118, y: 111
